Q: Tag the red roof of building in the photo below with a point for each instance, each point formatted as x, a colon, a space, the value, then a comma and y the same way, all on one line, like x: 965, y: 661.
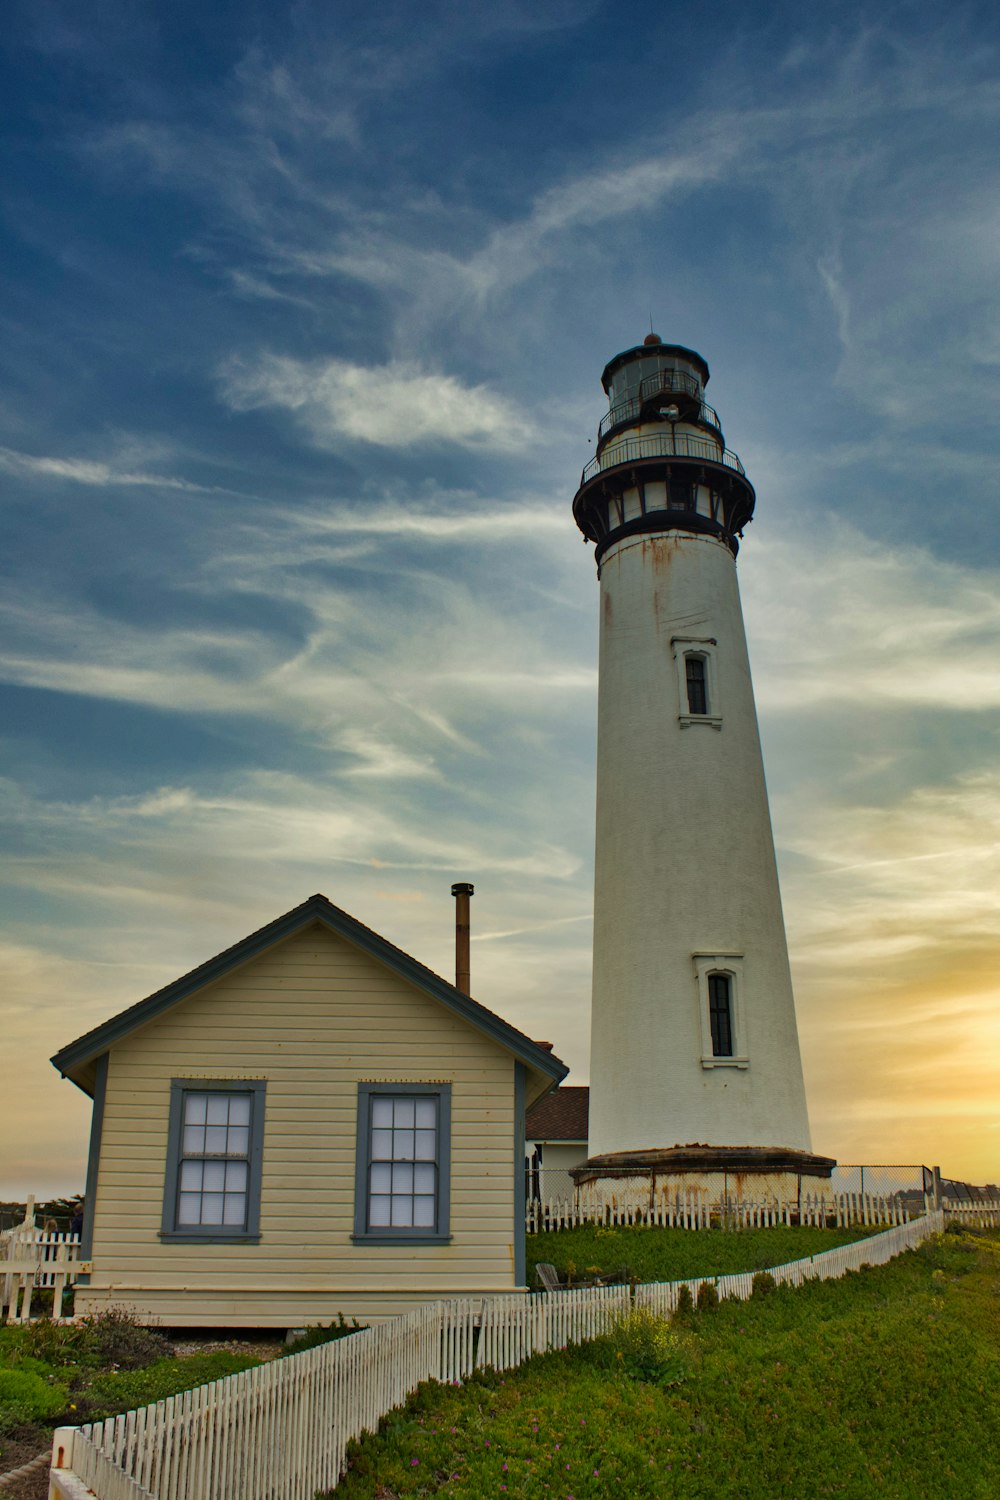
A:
x: 562, y: 1115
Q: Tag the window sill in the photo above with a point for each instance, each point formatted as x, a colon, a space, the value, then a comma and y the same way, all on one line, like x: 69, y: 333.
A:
x: 401, y: 1239
x: 686, y: 720
x: 186, y: 1237
x: 725, y: 1062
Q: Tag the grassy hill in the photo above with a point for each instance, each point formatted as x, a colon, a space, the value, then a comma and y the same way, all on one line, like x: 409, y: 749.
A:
x: 884, y: 1383
x: 651, y: 1254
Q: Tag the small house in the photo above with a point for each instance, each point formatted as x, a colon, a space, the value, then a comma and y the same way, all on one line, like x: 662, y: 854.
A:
x: 310, y: 1123
x: 556, y: 1140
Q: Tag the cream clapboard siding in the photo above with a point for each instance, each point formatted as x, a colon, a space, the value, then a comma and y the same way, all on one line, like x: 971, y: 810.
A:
x: 313, y: 1016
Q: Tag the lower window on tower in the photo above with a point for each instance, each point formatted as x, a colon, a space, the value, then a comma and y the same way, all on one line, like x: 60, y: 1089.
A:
x: 720, y: 981
x: 720, y: 1014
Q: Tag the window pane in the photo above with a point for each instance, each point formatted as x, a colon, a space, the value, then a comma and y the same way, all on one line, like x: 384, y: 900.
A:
x: 382, y: 1112
x: 382, y: 1145
x: 238, y: 1143
x: 379, y: 1211
x: 402, y: 1213
x: 189, y: 1208
x: 194, y: 1140
x: 191, y: 1176
x: 211, y: 1208
x: 404, y: 1113
x: 425, y: 1145
x: 381, y: 1178
x: 215, y: 1139
x: 236, y: 1209
x: 423, y: 1212
x: 720, y: 1010
x: 424, y: 1179
x: 402, y: 1179
x: 214, y: 1180
x: 218, y: 1109
x: 239, y: 1109
x: 236, y: 1176
x: 194, y: 1108
x: 402, y: 1145
x: 426, y: 1110
x: 697, y: 692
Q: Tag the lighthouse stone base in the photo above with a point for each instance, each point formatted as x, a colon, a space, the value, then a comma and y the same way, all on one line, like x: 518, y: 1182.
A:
x: 707, y: 1180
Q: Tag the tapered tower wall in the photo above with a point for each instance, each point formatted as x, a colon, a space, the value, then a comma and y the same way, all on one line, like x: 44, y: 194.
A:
x: 693, y: 1023
x: 685, y: 876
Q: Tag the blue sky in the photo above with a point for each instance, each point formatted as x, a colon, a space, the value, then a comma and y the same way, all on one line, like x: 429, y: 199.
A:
x: 304, y: 309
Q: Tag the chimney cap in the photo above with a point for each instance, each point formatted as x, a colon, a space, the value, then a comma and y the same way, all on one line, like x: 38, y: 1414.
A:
x: 463, y: 888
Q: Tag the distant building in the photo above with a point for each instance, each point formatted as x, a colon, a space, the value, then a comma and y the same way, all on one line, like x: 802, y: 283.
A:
x: 556, y: 1140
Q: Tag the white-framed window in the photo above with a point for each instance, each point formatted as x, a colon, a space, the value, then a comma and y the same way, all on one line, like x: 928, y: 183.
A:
x: 214, y: 1154
x: 720, y: 1001
x: 697, y: 680
x: 402, y: 1174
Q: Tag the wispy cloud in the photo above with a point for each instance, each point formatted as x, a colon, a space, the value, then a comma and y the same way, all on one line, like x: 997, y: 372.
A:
x: 391, y: 406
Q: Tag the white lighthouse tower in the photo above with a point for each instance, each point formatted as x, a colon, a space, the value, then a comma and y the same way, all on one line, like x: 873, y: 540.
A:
x: 695, y: 1066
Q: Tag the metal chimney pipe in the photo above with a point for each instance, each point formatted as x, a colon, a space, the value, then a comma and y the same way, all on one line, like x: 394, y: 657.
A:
x: 461, y: 892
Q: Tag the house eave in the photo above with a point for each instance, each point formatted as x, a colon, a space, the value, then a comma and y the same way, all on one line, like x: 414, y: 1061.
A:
x: 75, y: 1061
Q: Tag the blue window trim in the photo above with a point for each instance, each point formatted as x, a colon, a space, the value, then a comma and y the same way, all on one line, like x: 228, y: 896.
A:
x: 441, y: 1233
x: 213, y: 1234
x: 93, y: 1165
x: 520, y: 1206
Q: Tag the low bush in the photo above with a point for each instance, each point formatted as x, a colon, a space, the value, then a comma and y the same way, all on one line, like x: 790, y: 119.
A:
x: 708, y: 1297
x: 116, y: 1337
x: 763, y: 1284
x: 643, y: 1347
x: 28, y: 1397
x: 323, y: 1333
x: 684, y: 1310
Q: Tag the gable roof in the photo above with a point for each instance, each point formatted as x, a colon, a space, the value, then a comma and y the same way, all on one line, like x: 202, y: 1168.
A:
x: 76, y: 1060
x: 563, y: 1115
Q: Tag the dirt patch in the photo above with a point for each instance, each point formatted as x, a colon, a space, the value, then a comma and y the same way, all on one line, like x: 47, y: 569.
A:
x: 253, y: 1348
x: 20, y: 1447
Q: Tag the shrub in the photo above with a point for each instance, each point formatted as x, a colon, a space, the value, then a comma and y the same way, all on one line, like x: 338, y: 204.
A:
x: 684, y: 1310
x: 763, y: 1284
x: 26, y: 1397
x: 116, y: 1337
x: 324, y: 1333
x: 708, y: 1296
x: 642, y: 1346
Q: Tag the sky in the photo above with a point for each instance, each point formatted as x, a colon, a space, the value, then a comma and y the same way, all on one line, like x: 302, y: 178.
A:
x: 303, y: 311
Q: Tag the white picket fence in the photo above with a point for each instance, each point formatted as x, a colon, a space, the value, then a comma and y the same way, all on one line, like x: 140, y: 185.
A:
x: 280, y: 1431
x: 32, y: 1258
x: 983, y: 1215
x: 662, y: 1297
x: 697, y: 1211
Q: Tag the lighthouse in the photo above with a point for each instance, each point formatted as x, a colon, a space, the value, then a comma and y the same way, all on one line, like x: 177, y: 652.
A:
x: 695, y: 1064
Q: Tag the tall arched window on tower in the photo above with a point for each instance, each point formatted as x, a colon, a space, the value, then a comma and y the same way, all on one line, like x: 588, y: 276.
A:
x: 696, y: 677
x: 698, y: 696
x: 720, y: 1014
x: 720, y: 1001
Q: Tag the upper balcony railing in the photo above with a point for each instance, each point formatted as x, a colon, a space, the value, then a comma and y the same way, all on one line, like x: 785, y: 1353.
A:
x: 663, y: 383
x: 667, y: 444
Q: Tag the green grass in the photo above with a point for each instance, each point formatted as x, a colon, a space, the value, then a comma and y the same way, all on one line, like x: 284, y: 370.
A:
x: 51, y: 1374
x: 652, y: 1254
x: 881, y: 1384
